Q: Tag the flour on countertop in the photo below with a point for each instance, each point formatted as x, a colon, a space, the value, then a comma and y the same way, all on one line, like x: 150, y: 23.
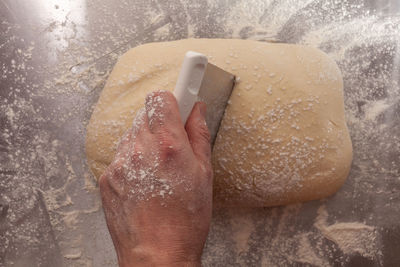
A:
x: 51, y: 77
x: 351, y: 237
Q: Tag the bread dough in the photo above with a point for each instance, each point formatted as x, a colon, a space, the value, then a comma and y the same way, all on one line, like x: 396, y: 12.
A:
x: 283, y: 138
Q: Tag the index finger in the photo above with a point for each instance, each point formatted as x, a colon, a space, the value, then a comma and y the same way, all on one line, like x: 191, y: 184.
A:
x: 140, y: 125
x: 163, y: 113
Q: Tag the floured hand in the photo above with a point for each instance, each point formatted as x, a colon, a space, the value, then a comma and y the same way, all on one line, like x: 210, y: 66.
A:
x: 157, y: 193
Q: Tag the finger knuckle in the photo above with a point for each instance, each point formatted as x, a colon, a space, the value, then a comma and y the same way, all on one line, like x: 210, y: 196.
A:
x: 170, y: 144
x: 114, y: 172
x: 169, y: 151
x: 111, y: 180
x: 117, y: 168
x: 103, y: 182
x: 204, y: 133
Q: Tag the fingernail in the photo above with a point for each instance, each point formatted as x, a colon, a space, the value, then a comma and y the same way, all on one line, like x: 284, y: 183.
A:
x: 203, y: 109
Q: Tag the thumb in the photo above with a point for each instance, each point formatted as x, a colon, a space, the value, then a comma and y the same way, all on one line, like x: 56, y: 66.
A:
x: 198, y: 134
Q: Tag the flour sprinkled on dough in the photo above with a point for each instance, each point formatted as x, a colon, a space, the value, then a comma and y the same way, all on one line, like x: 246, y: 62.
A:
x: 283, y: 136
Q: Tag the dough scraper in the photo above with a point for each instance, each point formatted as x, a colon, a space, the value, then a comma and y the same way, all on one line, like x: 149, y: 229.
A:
x: 199, y: 80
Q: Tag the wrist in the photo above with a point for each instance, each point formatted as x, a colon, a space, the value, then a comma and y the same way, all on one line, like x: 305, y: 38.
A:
x: 149, y: 257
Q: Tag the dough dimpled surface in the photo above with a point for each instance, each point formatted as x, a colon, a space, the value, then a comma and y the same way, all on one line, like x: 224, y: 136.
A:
x: 283, y: 138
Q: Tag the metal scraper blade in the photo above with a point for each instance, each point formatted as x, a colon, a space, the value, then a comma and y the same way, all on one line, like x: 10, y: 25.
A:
x: 215, y: 90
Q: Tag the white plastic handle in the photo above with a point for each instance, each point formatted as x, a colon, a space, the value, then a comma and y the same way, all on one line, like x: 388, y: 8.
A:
x: 189, y: 82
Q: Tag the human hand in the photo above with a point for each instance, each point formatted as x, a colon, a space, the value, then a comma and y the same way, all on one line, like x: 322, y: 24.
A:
x: 157, y: 193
